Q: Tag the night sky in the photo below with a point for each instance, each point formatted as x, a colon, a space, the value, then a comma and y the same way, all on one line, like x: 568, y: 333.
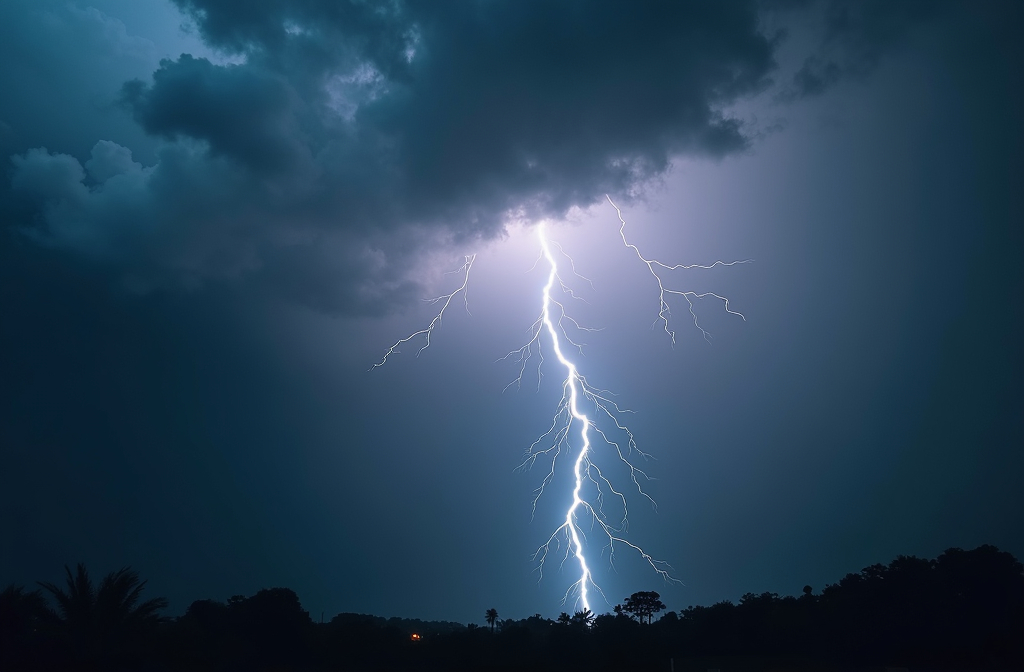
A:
x: 217, y: 215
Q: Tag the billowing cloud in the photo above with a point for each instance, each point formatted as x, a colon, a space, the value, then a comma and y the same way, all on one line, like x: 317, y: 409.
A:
x: 238, y: 111
x: 332, y: 126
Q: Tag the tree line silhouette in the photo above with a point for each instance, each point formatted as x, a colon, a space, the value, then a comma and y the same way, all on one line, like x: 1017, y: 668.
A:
x: 962, y: 610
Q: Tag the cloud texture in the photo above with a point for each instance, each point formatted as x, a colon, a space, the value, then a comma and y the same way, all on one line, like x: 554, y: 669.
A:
x: 340, y: 123
x: 320, y: 146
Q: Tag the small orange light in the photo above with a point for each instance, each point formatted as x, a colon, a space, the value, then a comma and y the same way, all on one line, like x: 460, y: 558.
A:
x: 415, y: 637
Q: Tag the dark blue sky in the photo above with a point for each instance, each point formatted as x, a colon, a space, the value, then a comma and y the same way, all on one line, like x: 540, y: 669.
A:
x: 216, y: 218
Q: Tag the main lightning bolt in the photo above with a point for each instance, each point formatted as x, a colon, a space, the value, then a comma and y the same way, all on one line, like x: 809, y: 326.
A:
x: 591, y: 487
x: 587, y: 475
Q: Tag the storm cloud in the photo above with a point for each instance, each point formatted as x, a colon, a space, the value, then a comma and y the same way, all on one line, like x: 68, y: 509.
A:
x: 331, y: 126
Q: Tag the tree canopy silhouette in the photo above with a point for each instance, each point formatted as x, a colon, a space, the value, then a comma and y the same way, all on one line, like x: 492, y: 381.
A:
x: 582, y: 619
x: 643, y: 604
x: 962, y: 610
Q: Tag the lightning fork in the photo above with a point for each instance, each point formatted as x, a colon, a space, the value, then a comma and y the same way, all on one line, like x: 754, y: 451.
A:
x: 445, y: 300
x: 664, y: 311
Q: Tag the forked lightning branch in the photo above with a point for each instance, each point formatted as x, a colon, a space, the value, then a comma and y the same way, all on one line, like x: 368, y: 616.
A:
x: 587, y: 432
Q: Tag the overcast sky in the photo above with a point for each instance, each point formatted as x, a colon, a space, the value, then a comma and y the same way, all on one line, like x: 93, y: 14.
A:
x: 217, y: 216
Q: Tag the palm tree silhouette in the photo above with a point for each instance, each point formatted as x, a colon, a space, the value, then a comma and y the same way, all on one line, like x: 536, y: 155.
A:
x: 492, y: 617
x: 100, y: 621
x: 115, y: 604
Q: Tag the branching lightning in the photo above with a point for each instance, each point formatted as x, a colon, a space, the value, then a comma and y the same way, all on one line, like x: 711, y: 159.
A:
x: 445, y: 301
x: 664, y: 312
x: 584, y: 413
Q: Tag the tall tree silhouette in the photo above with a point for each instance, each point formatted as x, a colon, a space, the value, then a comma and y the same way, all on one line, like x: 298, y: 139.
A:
x: 643, y: 604
x: 582, y: 619
x: 492, y: 617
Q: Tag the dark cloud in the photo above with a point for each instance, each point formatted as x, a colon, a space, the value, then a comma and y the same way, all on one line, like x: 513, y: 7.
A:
x: 338, y: 123
x: 240, y: 112
x: 184, y: 221
x: 857, y: 35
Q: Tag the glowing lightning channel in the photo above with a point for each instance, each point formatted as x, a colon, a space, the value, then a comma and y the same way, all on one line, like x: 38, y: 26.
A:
x: 574, y: 381
x: 591, y: 488
x: 575, y: 389
x: 445, y: 300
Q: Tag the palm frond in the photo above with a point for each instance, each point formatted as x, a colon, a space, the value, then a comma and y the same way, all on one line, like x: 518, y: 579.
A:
x: 119, y: 596
x: 116, y: 603
x: 77, y: 603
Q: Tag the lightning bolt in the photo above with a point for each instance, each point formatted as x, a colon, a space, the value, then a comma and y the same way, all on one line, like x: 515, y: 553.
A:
x: 445, y: 300
x: 584, y: 412
x: 590, y: 485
